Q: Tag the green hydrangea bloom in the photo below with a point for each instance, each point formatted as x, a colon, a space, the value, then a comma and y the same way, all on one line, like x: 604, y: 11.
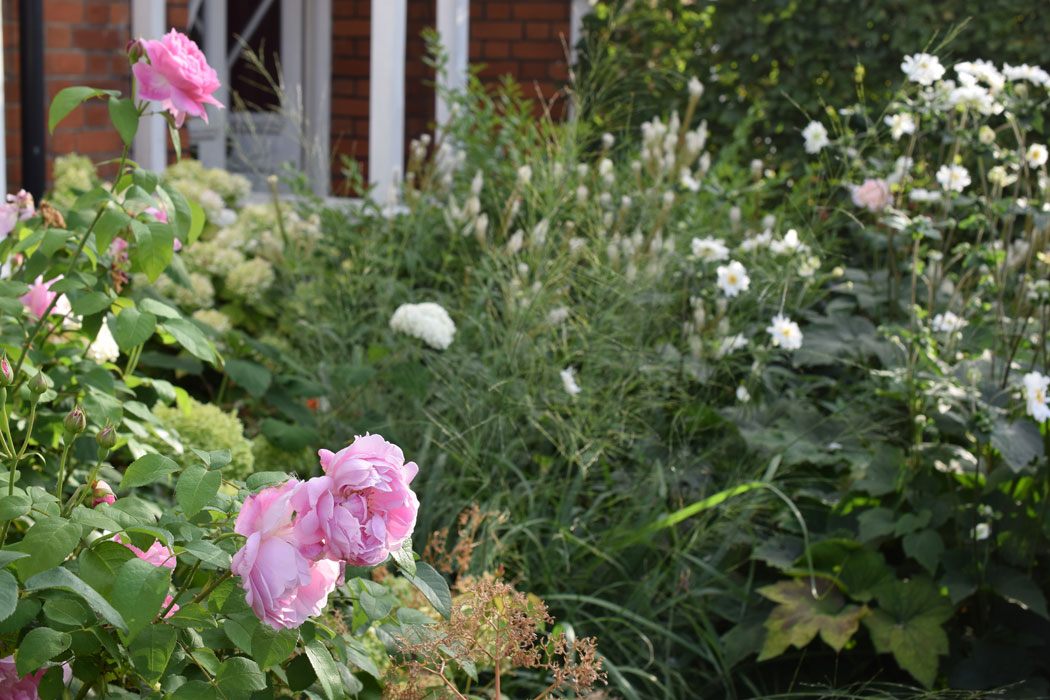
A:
x: 207, y: 427
x: 73, y: 174
x: 270, y: 458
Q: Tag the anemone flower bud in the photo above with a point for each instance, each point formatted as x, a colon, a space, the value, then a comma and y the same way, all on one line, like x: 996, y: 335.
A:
x: 106, y: 438
x: 75, y: 421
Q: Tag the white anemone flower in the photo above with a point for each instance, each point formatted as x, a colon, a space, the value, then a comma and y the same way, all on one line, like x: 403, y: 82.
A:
x: 816, y: 137
x: 427, y: 321
x: 709, y: 249
x: 733, y: 279
x: 947, y: 323
x: 785, y: 333
x: 1035, y: 389
x: 954, y: 178
x: 922, y: 68
x: 1036, y: 155
x: 900, y: 124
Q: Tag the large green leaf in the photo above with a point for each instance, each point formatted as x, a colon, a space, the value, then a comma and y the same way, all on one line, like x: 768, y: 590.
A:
x: 151, y: 650
x: 270, y: 646
x: 14, y: 505
x: 1018, y: 442
x: 907, y: 624
x: 39, y: 646
x: 8, y: 594
x: 325, y: 668
x: 154, y: 245
x: 1018, y: 588
x: 125, y: 117
x: 195, y: 488
x: 191, y: 338
x: 239, y: 677
x: 147, y: 469
x: 99, y: 565
x: 194, y: 690
x: 112, y: 222
x: 799, y: 617
x: 133, y: 327
x: 65, y: 579
x: 433, y: 587
x: 47, y: 543
x: 251, y: 375
x: 138, y: 592
x: 925, y: 547
x: 69, y: 99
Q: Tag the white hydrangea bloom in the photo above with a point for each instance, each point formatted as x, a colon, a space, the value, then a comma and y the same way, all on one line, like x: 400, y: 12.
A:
x: 427, y: 321
x: 104, y: 348
x: 1035, y: 386
x: 922, y: 68
x: 785, y: 333
x: 816, y: 137
x: 733, y: 279
x: 568, y: 380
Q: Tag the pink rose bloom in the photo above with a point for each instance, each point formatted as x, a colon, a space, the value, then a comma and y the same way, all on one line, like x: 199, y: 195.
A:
x: 157, y: 554
x: 873, y: 195
x: 271, y: 567
x: 363, y: 508
x: 312, y: 598
x: 23, y: 202
x: 101, y: 492
x: 39, y: 296
x: 174, y: 608
x: 157, y: 213
x: 177, y: 75
x: 8, y: 219
x: 15, y: 688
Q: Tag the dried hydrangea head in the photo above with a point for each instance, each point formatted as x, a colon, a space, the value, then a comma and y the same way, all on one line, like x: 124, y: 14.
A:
x: 496, y: 629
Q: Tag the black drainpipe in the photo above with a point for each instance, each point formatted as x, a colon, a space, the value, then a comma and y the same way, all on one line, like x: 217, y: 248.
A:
x: 31, y: 46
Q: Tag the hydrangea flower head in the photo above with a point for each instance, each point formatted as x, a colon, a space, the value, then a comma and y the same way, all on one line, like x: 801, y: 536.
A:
x: 427, y: 321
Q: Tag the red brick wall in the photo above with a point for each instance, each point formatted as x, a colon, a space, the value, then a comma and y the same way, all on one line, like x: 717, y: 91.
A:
x: 83, y: 45
x: 526, y: 39
x: 351, y: 26
x: 419, y: 77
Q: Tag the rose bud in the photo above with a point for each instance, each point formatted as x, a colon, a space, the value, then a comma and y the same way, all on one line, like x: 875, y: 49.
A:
x: 101, y: 493
x: 7, y: 374
x: 75, y: 422
x: 38, y: 384
x: 106, y: 438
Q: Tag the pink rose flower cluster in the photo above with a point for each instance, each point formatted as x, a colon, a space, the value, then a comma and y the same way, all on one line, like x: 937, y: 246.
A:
x: 176, y: 74
x: 158, y: 555
x: 39, y: 296
x: 19, y: 207
x: 302, y: 534
x: 873, y: 195
x: 25, y: 688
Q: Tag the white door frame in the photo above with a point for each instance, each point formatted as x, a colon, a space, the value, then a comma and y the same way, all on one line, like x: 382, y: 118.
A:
x: 149, y: 149
x: 386, y: 97
x: 453, y: 26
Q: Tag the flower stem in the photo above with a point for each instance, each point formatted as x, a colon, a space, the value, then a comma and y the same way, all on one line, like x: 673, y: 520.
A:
x: 62, y: 471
